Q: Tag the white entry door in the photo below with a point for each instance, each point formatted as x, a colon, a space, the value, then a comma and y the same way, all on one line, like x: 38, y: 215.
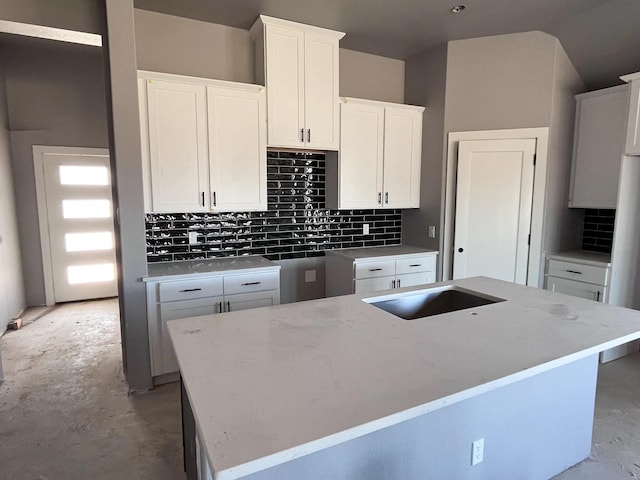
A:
x: 78, y: 217
x: 494, y: 196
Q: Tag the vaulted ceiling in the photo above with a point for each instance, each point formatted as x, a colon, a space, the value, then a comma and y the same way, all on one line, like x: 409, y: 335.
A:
x: 602, y: 37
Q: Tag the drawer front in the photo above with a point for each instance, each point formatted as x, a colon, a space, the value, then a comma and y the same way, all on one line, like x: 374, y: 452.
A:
x: 190, y: 308
x: 576, y: 289
x: 576, y: 271
x: 189, y: 289
x: 369, y: 285
x: 375, y: 269
x: 416, y: 264
x: 413, y: 279
x: 251, y: 282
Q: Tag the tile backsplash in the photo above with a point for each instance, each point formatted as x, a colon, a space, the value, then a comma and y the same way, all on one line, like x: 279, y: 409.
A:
x: 296, y: 224
x: 597, y: 230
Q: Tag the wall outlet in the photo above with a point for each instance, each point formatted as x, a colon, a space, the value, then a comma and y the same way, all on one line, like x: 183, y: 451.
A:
x: 309, y: 276
x: 432, y: 231
x: 365, y: 229
x: 193, y: 238
x: 477, y: 451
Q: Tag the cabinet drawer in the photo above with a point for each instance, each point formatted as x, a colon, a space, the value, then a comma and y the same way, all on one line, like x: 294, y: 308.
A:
x: 416, y: 264
x: 190, y: 308
x: 189, y: 289
x: 576, y: 271
x: 576, y: 289
x: 367, y: 285
x: 254, y: 282
x: 382, y: 268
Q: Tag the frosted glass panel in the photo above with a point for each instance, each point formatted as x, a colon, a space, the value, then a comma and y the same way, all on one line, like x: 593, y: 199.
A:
x: 83, y: 175
x: 86, y: 208
x: 90, y: 241
x: 91, y: 273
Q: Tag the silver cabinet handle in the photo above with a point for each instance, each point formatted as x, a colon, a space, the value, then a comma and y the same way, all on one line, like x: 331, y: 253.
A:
x: 190, y: 290
x: 375, y: 269
x: 302, y: 135
x: 213, y: 198
x: 574, y: 271
x: 228, y: 306
x: 379, y: 198
x: 386, y: 197
x: 309, y: 135
x: 251, y: 283
x: 202, y: 199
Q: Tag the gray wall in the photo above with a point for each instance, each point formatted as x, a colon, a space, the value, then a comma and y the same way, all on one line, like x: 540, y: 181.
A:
x: 170, y: 44
x: 426, y: 84
x: 56, y: 96
x: 363, y: 75
x: 533, y: 429
x: 12, y: 299
x: 79, y: 15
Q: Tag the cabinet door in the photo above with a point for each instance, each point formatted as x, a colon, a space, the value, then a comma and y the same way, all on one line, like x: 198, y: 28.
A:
x: 321, y: 91
x: 576, y: 289
x: 598, y: 149
x: 285, y: 86
x: 177, y: 146
x: 245, y: 301
x: 413, y: 279
x: 633, y: 122
x: 163, y: 359
x: 402, y: 157
x: 360, y: 158
x: 368, y: 285
x: 237, y: 149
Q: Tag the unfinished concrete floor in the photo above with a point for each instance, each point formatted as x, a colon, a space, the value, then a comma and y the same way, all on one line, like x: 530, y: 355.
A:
x: 65, y: 413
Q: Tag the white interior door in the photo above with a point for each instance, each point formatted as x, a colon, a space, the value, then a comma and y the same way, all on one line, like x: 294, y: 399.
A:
x: 79, y: 221
x: 493, y: 209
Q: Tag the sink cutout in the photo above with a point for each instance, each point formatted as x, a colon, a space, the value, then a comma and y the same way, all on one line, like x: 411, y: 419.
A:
x: 436, y: 301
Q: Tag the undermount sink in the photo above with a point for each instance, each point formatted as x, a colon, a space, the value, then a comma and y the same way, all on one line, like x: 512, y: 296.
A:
x: 435, y: 301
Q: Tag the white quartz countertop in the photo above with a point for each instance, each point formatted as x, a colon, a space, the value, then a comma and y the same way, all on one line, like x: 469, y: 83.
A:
x: 378, y: 252
x: 584, y: 257
x: 176, y: 270
x: 272, y: 384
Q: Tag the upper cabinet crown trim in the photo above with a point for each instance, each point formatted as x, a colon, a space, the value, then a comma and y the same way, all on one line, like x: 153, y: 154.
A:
x: 278, y: 22
x: 171, y: 77
x: 364, y: 101
x: 630, y: 77
x: 603, y: 91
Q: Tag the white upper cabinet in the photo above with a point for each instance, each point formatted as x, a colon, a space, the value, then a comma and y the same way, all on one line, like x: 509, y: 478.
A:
x: 299, y: 66
x: 177, y: 126
x: 204, y: 144
x: 632, y: 145
x: 380, y: 156
x: 598, y: 146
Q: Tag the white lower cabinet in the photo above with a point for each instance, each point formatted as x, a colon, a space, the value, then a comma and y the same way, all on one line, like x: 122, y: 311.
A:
x: 348, y: 271
x: 202, y: 294
x: 576, y: 289
x: 578, y: 279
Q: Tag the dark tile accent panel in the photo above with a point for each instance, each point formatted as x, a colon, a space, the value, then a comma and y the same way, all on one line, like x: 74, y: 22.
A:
x: 597, y: 231
x: 296, y: 224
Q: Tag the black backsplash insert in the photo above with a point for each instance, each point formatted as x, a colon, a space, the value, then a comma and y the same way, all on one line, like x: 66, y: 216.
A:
x: 597, y: 230
x: 296, y: 224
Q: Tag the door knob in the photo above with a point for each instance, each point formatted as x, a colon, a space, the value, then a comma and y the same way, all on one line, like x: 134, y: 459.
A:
x: 460, y: 250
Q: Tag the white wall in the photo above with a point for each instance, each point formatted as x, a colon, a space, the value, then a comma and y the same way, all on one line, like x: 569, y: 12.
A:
x: 79, y: 15
x: 12, y: 299
x: 56, y: 96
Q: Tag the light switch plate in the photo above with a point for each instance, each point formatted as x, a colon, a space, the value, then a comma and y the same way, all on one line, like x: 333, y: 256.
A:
x: 309, y: 276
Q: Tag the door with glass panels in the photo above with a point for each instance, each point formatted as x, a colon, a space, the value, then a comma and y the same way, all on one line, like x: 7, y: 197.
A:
x: 80, y: 223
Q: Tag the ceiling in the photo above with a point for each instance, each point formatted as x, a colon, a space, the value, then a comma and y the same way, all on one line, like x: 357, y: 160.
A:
x: 601, y: 37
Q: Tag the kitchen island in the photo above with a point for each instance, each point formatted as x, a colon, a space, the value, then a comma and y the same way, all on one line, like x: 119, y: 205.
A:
x: 337, y: 388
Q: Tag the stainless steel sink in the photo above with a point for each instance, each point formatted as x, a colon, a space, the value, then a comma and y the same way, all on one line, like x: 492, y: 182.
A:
x: 435, y: 301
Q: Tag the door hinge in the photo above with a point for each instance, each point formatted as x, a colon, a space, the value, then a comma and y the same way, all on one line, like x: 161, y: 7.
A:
x: 529, y: 240
x: 535, y: 158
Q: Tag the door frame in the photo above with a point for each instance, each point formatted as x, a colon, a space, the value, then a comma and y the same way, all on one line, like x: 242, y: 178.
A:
x: 39, y: 152
x: 541, y: 135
